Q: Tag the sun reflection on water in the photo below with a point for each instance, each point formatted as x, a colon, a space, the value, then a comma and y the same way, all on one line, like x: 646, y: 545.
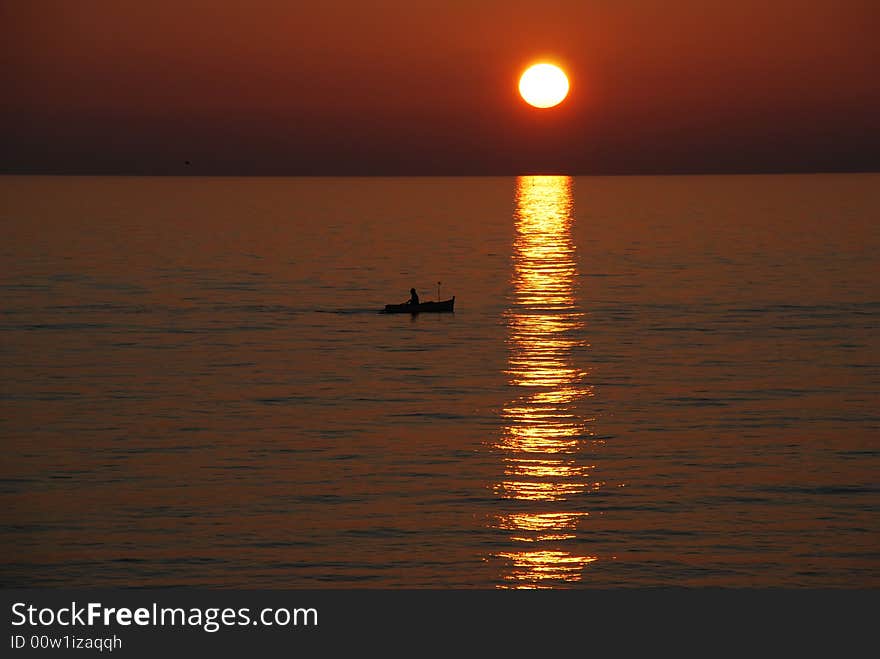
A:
x: 545, y: 431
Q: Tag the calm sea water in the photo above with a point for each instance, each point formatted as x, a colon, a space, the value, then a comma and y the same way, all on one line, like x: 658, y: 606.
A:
x: 646, y: 382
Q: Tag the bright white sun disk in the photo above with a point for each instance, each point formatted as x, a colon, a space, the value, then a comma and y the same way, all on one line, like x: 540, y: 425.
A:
x: 543, y: 85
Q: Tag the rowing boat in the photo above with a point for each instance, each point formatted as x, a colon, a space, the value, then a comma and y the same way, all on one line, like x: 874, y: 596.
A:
x: 406, y: 307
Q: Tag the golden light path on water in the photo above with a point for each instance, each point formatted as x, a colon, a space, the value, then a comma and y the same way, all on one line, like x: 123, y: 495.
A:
x: 544, y: 431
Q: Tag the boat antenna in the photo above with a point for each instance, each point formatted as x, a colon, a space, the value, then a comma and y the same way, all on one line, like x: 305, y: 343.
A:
x: 438, y: 291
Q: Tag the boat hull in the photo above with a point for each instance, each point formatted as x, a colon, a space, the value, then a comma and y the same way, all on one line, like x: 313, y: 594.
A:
x: 443, y: 306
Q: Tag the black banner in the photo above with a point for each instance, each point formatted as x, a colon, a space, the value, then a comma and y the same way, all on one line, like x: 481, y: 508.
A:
x: 135, y: 623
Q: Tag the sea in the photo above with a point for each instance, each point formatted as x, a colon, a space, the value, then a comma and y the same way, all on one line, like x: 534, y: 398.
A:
x: 646, y: 382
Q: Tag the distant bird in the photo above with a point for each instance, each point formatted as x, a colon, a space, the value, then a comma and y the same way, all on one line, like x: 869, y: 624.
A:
x: 187, y: 163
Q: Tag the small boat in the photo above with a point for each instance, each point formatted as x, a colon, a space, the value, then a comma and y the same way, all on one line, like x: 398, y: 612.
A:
x: 422, y: 307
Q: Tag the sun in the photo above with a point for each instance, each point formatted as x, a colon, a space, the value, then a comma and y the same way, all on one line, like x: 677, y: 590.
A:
x: 543, y: 85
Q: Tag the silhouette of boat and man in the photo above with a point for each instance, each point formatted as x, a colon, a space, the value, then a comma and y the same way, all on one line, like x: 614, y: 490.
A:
x: 414, y: 305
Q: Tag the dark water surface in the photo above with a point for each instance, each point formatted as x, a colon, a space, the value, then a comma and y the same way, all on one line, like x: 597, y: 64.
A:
x: 647, y: 382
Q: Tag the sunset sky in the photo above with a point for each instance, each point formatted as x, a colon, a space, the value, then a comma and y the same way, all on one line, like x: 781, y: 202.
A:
x: 430, y: 86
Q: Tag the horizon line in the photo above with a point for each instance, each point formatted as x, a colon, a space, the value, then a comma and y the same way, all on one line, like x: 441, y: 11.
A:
x: 817, y: 172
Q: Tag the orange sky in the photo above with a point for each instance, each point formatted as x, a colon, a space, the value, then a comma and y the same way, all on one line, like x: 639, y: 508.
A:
x: 429, y: 86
